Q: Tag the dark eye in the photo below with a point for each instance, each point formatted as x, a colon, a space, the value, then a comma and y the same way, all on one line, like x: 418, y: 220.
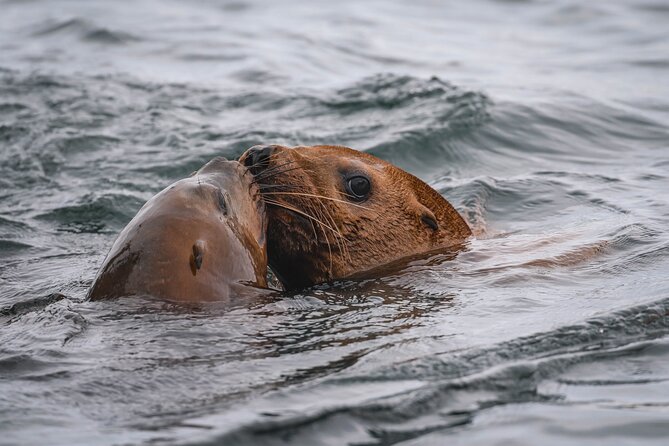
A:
x: 358, y: 187
x: 222, y: 203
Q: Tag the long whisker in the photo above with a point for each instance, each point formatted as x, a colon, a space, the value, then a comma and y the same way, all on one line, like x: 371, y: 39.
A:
x: 327, y: 241
x: 313, y: 228
x: 297, y: 211
x: 325, y: 214
x: 353, y: 197
x: 320, y: 215
x: 266, y: 185
x: 263, y: 177
x: 311, y: 218
x: 272, y: 169
x: 337, y: 235
x: 319, y: 221
x: 343, y: 241
x: 316, y: 196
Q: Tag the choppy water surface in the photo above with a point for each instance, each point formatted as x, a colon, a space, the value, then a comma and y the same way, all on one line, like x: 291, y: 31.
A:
x: 545, y: 123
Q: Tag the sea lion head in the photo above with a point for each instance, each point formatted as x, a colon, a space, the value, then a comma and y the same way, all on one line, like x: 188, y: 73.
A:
x: 195, y: 240
x: 334, y: 212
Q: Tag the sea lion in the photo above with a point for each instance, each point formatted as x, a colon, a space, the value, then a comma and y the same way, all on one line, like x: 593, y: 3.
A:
x: 334, y: 212
x: 200, y: 239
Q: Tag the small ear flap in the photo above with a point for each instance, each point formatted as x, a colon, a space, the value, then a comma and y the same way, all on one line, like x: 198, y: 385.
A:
x: 428, y: 218
x: 197, y: 257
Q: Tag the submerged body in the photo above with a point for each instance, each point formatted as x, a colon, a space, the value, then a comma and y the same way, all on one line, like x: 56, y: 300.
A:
x: 200, y: 239
x: 334, y: 212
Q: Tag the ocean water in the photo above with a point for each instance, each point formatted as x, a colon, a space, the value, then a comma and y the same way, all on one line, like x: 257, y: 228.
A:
x: 546, y: 123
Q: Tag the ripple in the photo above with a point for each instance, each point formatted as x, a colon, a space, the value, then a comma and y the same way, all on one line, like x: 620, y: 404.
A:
x: 386, y: 91
x: 85, y: 30
x: 20, y: 364
x: 48, y: 322
x: 459, y: 386
x: 13, y: 227
x: 9, y: 134
x: 9, y: 108
x: 84, y: 143
x: 13, y: 245
x: 639, y: 259
x: 95, y: 214
x: 608, y: 332
x: 31, y: 304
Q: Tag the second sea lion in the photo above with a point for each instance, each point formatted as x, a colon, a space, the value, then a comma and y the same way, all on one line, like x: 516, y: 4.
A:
x: 200, y: 239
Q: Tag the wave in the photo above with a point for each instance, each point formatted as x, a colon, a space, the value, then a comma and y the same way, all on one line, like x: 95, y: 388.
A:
x: 441, y: 392
x: 94, y: 214
x: 84, y: 30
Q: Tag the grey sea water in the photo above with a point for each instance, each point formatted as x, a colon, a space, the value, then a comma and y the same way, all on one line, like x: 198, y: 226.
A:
x: 545, y: 123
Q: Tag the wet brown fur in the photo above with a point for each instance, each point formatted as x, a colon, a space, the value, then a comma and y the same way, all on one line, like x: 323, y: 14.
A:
x: 343, y: 238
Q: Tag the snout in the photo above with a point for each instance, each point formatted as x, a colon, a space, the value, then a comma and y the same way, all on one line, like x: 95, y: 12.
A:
x: 257, y: 158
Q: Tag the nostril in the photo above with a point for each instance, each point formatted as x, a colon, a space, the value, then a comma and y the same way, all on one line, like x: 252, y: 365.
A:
x: 248, y: 161
x: 261, y: 156
x: 258, y: 157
